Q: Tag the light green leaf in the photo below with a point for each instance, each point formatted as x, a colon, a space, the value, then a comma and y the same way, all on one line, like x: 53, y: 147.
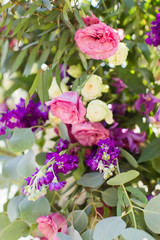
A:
x: 22, y: 139
x: 5, y: 6
x: 87, y: 235
x: 26, y: 165
x: 123, y: 178
x: 4, y: 220
x: 62, y: 236
x: 110, y: 197
x: 152, y: 214
x: 30, y: 210
x: 47, y: 4
x: 84, y: 61
x: 93, y: 179
x: 132, y: 234
x: 18, y: 61
x: 9, y: 168
x: 80, y: 220
x: 4, y: 52
x: 120, y: 196
x: 12, y: 207
x: 73, y: 233
x: 110, y: 227
x: 129, y: 158
x: 15, y: 230
x: 63, y: 131
x: 30, y: 61
x: 137, y: 193
x: 79, y: 19
x: 156, y: 164
x: 43, y: 57
x: 151, y: 151
x: 63, y: 39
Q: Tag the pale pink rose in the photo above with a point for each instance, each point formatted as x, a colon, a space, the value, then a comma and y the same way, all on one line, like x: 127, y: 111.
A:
x: 90, y: 20
x: 121, y: 33
x: 50, y: 225
x: 88, y: 134
x: 98, y: 41
x: 68, y: 107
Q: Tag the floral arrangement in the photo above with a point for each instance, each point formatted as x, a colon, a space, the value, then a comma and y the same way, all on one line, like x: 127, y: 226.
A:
x: 80, y: 120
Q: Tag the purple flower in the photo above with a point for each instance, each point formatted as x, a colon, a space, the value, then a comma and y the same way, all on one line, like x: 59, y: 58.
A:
x: 145, y: 103
x: 119, y: 84
x: 2, y: 130
x: 63, y: 71
x: 154, y: 34
x: 61, y: 145
x: 118, y: 108
x: 56, y: 186
x: 157, y: 115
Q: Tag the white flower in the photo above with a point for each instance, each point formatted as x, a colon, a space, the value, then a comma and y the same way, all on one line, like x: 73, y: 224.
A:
x: 75, y: 71
x: 92, y: 88
x: 120, y: 55
x: 98, y: 110
x: 44, y: 67
x: 54, y: 90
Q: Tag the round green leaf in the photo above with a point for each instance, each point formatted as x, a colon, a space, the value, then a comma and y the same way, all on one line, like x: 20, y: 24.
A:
x: 62, y: 236
x: 12, y: 208
x: 9, y: 169
x: 152, y: 214
x: 26, y: 165
x: 87, y: 235
x: 110, y: 197
x: 15, y: 230
x: 30, y: 210
x: 22, y: 139
x: 109, y: 228
x: 123, y: 178
x: 4, y: 221
x: 132, y: 234
x: 94, y: 179
x: 80, y: 220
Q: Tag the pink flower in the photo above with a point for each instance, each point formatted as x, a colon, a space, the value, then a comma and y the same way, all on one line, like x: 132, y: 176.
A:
x: 98, y: 41
x: 90, y: 20
x: 88, y: 134
x: 51, y: 224
x: 121, y: 33
x: 68, y: 107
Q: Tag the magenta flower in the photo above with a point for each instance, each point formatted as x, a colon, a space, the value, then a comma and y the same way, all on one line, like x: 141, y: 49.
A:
x: 119, y: 84
x: 50, y: 225
x: 90, y: 20
x: 157, y: 115
x: 145, y: 103
x: 98, y: 41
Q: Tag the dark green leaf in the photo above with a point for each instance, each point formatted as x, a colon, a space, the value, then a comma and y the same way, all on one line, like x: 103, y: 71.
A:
x: 148, y: 75
x: 144, y: 49
x: 18, y: 61
x: 30, y: 61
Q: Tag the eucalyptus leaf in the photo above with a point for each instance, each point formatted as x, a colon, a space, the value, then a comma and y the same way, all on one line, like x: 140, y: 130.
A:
x: 12, y: 208
x: 62, y: 236
x: 110, y: 197
x: 87, y: 235
x: 80, y: 220
x: 94, y: 179
x: 123, y: 178
x: 4, y: 220
x: 138, y: 234
x: 129, y: 158
x: 47, y: 4
x: 9, y: 169
x: 4, y: 52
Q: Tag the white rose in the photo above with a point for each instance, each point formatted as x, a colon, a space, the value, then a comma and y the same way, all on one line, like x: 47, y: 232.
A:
x: 75, y: 71
x: 98, y: 110
x: 92, y: 88
x: 120, y: 55
x: 54, y: 90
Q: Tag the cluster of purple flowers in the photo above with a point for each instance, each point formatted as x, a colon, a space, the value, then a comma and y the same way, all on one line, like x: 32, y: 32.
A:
x: 104, y: 157
x: 154, y: 34
x: 56, y: 162
x: 24, y: 116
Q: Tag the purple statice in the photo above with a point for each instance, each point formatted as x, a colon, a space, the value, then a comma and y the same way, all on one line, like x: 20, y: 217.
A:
x: 62, y: 145
x: 157, y: 115
x: 24, y: 116
x: 154, y: 34
x: 105, y: 158
x: 127, y: 138
x: 47, y: 176
x: 145, y: 103
x: 119, y: 84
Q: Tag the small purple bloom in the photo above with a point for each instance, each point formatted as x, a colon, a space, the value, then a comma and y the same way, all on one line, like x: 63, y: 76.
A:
x: 56, y: 186
x: 2, y: 130
x: 154, y: 34
x: 62, y: 145
x: 119, y: 84
x: 63, y: 70
x: 118, y: 108
x: 145, y: 103
x: 157, y: 115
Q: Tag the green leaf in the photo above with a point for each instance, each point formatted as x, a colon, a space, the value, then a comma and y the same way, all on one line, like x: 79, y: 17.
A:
x: 151, y: 151
x: 41, y: 158
x: 120, y: 196
x: 132, y: 234
x: 30, y: 210
x: 93, y: 179
x: 129, y: 3
x: 9, y: 168
x: 152, y: 214
x: 34, y: 86
x: 80, y: 220
x: 4, y: 220
x: 63, y: 131
x: 26, y: 165
x: 84, y: 61
x: 77, y: 174
x: 110, y: 227
x: 43, y: 57
x: 30, y: 61
x: 19, y: 26
x: 83, y: 79
x: 58, y: 76
x: 79, y: 19
x: 63, y: 39
x: 66, y: 19
x: 87, y: 235
x: 85, y: 6
x: 123, y: 178
x: 18, y: 61
x: 137, y: 193
x: 12, y: 207
x: 47, y: 4
x: 138, y: 202
x: 156, y: 164
x: 69, y: 4
x: 5, y: 6
x: 15, y: 230
x: 22, y: 139
x: 62, y: 236
x: 110, y: 197
x: 4, y: 52
x: 148, y: 75
x: 129, y: 158
x: 9, y: 26
x: 145, y: 51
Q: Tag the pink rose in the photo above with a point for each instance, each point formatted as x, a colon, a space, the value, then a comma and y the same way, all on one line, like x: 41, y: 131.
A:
x: 98, y: 41
x: 50, y: 225
x: 68, y: 107
x: 121, y: 33
x: 88, y: 134
x: 90, y: 20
